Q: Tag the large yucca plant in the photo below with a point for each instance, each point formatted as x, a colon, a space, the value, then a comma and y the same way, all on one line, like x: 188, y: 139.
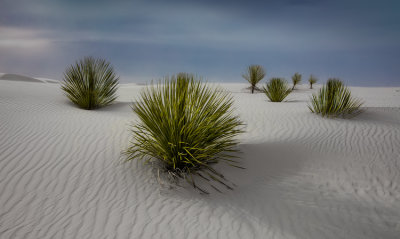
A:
x: 254, y: 74
x: 334, y: 99
x: 184, y: 128
x: 277, y: 89
x: 296, y: 79
x: 312, y: 80
x: 90, y: 83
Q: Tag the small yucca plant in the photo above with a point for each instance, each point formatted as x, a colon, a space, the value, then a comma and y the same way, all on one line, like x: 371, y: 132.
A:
x: 334, y: 99
x: 334, y: 83
x: 277, y: 89
x: 296, y: 79
x: 254, y: 74
x: 184, y: 128
x: 90, y: 83
x: 312, y: 80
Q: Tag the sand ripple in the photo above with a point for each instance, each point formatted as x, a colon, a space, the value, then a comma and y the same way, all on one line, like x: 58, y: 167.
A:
x: 61, y: 174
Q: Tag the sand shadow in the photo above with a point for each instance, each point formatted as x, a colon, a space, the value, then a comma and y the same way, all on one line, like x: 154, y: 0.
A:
x: 276, y: 194
x: 15, y: 77
x: 378, y: 115
x: 118, y: 106
x: 251, y: 199
x: 261, y: 163
x: 52, y: 82
x: 295, y: 101
x: 264, y: 162
x: 125, y: 107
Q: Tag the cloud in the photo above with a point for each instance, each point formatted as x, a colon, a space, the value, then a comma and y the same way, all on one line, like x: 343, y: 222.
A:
x: 207, y: 36
x: 23, y: 39
x: 287, y: 25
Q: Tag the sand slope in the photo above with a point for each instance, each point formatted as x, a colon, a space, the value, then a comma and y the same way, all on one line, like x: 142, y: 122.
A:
x: 61, y: 174
x: 16, y: 77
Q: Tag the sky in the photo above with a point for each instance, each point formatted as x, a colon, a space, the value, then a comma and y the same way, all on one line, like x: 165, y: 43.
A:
x: 357, y: 41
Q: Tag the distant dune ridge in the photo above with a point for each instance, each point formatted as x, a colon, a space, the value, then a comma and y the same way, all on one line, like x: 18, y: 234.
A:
x: 16, y: 77
x: 62, y: 174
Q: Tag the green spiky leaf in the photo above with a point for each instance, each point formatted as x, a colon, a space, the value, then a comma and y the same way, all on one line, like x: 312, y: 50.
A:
x: 277, y: 89
x: 312, y: 80
x: 185, y: 127
x: 254, y: 74
x: 90, y: 83
x: 334, y: 99
x: 296, y: 79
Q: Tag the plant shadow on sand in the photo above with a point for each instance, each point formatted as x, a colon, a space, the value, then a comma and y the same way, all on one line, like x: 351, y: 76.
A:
x: 277, y: 195
x: 255, y: 199
x: 294, y: 101
x: 118, y: 106
x: 261, y: 162
x: 379, y: 115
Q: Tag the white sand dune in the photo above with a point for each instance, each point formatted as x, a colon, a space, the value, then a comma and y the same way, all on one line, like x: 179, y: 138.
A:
x: 61, y: 174
x: 16, y: 77
x: 47, y: 80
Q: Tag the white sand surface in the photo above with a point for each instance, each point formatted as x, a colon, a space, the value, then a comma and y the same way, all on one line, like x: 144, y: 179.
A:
x: 47, y: 80
x: 61, y: 174
x: 17, y: 77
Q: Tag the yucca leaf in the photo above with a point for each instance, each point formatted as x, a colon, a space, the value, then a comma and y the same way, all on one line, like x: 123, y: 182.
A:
x: 90, y: 83
x: 312, y: 80
x: 254, y: 74
x: 334, y: 99
x: 186, y: 126
x: 296, y: 79
x: 277, y: 89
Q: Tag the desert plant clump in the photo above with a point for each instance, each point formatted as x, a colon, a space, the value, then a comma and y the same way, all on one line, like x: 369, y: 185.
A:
x: 90, y: 83
x: 334, y: 83
x: 184, y: 128
x: 334, y: 99
x: 277, y: 89
x: 254, y: 74
x: 312, y: 80
x: 296, y: 79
